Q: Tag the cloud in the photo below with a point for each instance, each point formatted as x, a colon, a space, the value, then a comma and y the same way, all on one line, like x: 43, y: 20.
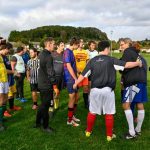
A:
x: 127, y: 18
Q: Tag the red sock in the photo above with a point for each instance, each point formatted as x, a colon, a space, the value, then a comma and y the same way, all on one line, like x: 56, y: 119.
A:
x: 74, y: 108
x: 90, y: 121
x: 109, y: 122
x: 70, y: 114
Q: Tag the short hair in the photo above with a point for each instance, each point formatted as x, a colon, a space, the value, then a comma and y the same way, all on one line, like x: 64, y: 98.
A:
x: 19, y: 49
x: 34, y: 49
x: 6, y: 46
x: 59, y: 42
x: 102, y: 45
x: 2, y: 41
x: 90, y: 42
x: 136, y: 45
x: 48, y: 39
x: 126, y: 40
x: 74, y: 40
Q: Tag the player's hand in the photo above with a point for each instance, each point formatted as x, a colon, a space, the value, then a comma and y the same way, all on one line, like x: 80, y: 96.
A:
x: 75, y: 86
x: 56, y: 90
x: 16, y: 74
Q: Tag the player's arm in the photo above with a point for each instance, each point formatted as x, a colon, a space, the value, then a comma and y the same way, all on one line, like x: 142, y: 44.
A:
x: 121, y: 65
x: 10, y: 71
x: 71, y: 71
x: 28, y: 71
x: 86, y: 72
x: 13, y: 63
x: 133, y: 64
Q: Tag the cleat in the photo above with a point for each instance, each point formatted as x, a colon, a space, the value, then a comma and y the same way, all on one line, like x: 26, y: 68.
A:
x: 109, y: 138
x: 128, y: 136
x: 75, y: 119
x: 88, y: 134
x: 73, y: 123
x: 7, y: 114
x: 23, y: 100
x: 16, y: 108
x: 34, y: 107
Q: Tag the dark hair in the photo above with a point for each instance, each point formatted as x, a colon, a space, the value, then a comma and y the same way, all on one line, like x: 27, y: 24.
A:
x: 102, y: 45
x: 2, y: 41
x: 6, y: 46
x: 59, y: 42
x: 48, y: 39
x: 89, y: 43
x: 74, y: 40
x: 19, y: 49
x: 34, y: 49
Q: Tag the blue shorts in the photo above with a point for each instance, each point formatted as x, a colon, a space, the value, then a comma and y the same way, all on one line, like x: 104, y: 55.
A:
x: 136, y: 93
x: 70, y: 89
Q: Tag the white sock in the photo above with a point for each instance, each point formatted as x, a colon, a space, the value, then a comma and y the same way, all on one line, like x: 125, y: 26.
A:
x: 129, y: 117
x: 140, y: 119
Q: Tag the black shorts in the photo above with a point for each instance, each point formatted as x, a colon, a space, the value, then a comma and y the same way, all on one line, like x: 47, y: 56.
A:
x: 59, y: 82
x: 34, y: 87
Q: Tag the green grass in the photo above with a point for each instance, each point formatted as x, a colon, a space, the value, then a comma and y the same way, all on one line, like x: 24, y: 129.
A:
x: 21, y: 136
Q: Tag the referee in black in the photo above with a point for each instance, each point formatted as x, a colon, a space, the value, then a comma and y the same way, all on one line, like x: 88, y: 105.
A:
x: 46, y: 80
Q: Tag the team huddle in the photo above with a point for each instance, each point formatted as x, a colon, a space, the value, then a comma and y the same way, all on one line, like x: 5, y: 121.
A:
x: 50, y: 71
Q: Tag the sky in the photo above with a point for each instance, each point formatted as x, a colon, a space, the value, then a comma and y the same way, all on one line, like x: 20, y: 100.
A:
x: 118, y: 18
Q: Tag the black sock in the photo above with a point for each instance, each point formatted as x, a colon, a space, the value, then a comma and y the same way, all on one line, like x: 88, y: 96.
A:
x: 86, y: 101
x: 11, y: 103
x: 35, y: 103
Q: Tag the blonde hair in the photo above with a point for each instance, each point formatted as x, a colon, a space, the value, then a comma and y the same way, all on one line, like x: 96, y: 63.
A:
x: 126, y: 40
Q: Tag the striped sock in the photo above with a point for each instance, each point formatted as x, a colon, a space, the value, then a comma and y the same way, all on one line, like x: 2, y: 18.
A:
x: 70, y: 114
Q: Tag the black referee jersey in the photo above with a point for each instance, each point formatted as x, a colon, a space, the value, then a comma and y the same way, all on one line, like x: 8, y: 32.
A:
x: 102, y: 69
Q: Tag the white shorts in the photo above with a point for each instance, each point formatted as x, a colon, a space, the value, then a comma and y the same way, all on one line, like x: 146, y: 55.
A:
x: 4, y: 87
x: 102, y: 101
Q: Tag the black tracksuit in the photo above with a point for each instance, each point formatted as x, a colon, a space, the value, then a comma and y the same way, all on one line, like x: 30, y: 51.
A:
x: 46, y: 79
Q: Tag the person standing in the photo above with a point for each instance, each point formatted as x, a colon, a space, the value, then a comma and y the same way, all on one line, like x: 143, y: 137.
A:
x: 46, y: 80
x: 18, y: 65
x: 3, y: 89
x: 12, y: 88
x: 59, y: 70
x: 70, y: 76
x: 135, y: 89
x: 32, y: 75
x: 82, y: 57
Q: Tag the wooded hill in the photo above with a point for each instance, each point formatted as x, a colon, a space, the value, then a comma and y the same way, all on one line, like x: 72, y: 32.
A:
x: 64, y: 33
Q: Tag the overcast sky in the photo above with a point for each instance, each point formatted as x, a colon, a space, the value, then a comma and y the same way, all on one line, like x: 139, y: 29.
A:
x: 126, y: 18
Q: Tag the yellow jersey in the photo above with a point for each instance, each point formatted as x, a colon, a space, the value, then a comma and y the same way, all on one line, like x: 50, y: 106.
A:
x: 81, y: 57
x: 3, y: 71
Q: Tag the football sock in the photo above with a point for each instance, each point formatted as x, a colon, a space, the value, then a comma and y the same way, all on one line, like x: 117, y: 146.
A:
x: 11, y: 103
x: 1, y: 114
x: 70, y: 114
x: 129, y: 117
x: 74, y: 108
x: 140, y: 119
x: 109, y: 122
x: 35, y: 103
x: 86, y: 101
x: 90, y: 121
x: 4, y: 108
